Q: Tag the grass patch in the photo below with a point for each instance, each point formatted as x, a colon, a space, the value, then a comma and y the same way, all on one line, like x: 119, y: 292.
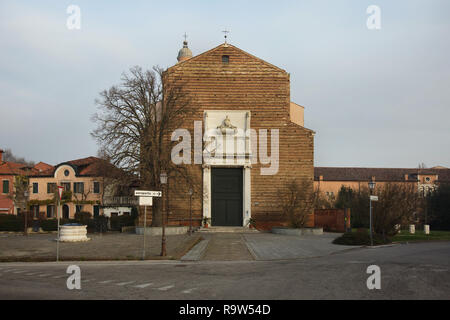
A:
x: 421, y: 236
x: 360, y: 239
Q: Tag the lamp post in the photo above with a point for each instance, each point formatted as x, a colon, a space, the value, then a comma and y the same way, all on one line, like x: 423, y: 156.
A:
x: 190, y: 210
x: 371, y: 188
x: 163, y: 178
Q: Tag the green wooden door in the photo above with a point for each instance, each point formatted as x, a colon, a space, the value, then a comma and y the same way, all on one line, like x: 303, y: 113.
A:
x: 226, y: 189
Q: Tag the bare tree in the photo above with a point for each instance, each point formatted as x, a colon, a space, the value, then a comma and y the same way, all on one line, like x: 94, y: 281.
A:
x: 298, y: 200
x: 422, y: 165
x: 397, y: 204
x: 135, y: 123
x: 21, y: 186
x: 9, y: 156
x: 113, y: 181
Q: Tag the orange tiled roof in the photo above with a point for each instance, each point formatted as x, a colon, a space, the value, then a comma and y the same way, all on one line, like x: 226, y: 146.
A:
x: 380, y: 174
x: 42, y: 166
x: 90, y: 166
x: 12, y: 168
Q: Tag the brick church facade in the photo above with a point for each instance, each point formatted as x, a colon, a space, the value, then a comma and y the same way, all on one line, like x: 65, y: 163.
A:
x: 234, y: 91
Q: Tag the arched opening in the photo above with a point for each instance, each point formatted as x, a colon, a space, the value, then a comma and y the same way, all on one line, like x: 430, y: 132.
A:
x: 65, y: 210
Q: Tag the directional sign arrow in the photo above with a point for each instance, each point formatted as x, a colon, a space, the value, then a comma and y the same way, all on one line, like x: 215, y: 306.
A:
x: 144, y: 193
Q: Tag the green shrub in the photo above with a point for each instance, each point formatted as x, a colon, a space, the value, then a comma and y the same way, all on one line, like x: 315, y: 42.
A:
x: 83, y: 217
x: 118, y: 222
x: 49, y: 225
x: 438, y: 204
x: 66, y: 221
x: 52, y: 224
x: 360, y: 239
x: 101, y: 224
x: 10, y: 222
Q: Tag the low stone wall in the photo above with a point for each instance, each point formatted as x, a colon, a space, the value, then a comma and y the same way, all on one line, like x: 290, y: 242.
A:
x: 157, y: 231
x: 297, y: 231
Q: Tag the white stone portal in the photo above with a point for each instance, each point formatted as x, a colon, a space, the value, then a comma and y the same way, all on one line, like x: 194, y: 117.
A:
x: 227, y: 143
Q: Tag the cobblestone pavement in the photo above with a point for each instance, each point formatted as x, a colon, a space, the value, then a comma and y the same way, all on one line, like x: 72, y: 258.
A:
x: 263, y: 247
x: 226, y: 247
x: 42, y: 247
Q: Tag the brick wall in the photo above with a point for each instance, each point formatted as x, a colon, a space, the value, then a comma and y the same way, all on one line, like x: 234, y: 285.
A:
x: 332, y: 219
x: 246, y: 83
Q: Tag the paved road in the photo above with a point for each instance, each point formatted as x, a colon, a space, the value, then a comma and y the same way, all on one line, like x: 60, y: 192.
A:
x: 414, y: 271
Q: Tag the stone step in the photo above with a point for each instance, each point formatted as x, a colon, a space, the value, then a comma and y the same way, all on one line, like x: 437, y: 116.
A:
x: 227, y: 229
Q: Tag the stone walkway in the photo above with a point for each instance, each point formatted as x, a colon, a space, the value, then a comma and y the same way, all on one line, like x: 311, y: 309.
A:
x: 263, y: 247
x: 226, y: 247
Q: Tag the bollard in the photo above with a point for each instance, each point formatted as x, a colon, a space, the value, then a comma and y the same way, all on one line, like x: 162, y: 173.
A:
x: 427, y: 229
x: 412, y: 229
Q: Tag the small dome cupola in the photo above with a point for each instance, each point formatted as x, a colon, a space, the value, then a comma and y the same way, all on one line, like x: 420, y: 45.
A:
x: 185, y: 53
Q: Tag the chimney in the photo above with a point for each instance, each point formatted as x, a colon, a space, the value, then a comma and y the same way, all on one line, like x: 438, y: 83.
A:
x: 1, y: 155
x: 320, y: 178
x: 406, y: 177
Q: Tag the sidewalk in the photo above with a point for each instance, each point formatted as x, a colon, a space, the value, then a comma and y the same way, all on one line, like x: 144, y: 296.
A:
x: 268, y: 246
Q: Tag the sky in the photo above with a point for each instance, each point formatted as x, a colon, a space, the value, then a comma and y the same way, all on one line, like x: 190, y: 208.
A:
x: 375, y: 98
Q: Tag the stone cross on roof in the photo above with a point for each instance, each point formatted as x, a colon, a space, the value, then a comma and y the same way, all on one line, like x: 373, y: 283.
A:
x: 225, y: 34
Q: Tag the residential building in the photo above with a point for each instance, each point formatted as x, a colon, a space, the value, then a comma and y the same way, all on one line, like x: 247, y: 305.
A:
x: 330, y: 179
x: 8, y: 172
x: 85, y: 190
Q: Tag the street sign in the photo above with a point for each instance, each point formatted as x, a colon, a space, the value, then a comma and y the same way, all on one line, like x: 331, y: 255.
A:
x: 374, y: 198
x: 60, y: 191
x: 143, y: 193
x: 145, y: 201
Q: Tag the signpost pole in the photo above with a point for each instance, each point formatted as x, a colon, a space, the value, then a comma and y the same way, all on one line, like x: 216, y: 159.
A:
x: 145, y: 223
x: 58, y: 213
x: 145, y: 199
x: 371, y: 239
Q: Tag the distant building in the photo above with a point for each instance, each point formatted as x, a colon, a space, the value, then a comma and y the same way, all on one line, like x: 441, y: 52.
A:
x: 330, y: 179
x: 8, y: 172
x: 85, y: 190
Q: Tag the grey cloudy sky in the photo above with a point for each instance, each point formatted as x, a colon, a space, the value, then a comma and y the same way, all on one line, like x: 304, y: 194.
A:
x: 374, y: 97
